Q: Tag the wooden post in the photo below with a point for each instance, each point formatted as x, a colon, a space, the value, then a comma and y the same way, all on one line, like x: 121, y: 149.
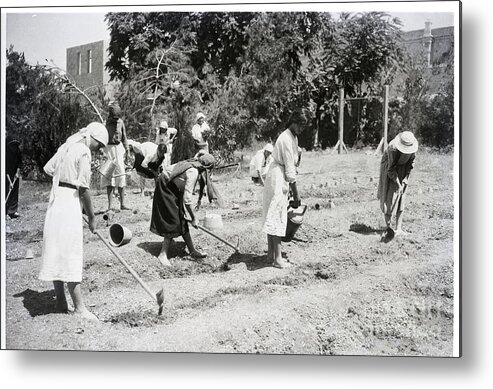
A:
x: 340, y: 143
x: 385, y: 116
x: 382, y: 146
x: 341, y: 120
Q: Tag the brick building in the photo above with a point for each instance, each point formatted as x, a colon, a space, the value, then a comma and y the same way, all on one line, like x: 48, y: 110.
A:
x: 431, y: 49
x: 429, y: 43
x: 85, y: 63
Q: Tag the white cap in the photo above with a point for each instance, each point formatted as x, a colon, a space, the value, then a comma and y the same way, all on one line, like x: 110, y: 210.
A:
x: 99, y: 132
x: 268, y: 147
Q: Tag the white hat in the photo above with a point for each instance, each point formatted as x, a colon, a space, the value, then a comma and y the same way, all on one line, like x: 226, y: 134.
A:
x: 200, y: 115
x: 163, y: 124
x: 99, y: 132
x: 268, y: 147
x: 405, y: 142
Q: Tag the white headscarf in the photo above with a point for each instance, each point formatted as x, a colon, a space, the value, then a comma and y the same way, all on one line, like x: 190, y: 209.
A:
x: 93, y: 130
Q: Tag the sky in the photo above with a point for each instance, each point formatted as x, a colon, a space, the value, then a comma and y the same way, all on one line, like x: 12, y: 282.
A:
x: 46, y: 35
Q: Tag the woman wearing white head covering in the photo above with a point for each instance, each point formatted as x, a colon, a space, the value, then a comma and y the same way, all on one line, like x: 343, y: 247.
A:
x: 395, y: 168
x: 200, y: 133
x: 70, y: 168
x: 260, y: 163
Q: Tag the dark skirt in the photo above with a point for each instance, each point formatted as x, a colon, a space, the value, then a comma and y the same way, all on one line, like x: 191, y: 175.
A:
x: 168, y: 213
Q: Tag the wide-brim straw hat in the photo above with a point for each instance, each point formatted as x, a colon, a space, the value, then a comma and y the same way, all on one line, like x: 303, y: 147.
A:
x: 406, y: 142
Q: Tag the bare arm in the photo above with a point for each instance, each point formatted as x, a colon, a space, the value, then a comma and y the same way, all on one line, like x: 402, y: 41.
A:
x: 260, y: 177
x: 294, y: 191
x: 191, y: 214
x: 85, y: 197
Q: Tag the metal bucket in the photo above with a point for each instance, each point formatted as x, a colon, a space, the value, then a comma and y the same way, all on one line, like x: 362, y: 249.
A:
x: 295, y: 220
x: 213, y: 221
x: 119, y: 235
x: 108, y: 168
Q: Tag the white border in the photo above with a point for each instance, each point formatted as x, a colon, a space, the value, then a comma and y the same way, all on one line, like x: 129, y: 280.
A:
x: 439, y: 6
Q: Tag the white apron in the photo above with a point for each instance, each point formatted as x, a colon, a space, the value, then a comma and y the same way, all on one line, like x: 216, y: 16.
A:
x: 63, y: 238
x: 275, y: 207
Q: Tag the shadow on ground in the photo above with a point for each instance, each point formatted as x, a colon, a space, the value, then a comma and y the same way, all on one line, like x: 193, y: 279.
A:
x: 365, y: 229
x: 252, y: 261
x: 177, y: 249
x: 38, y: 303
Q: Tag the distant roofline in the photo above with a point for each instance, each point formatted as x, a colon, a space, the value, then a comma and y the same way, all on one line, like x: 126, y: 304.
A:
x: 433, y: 29
x: 87, y: 43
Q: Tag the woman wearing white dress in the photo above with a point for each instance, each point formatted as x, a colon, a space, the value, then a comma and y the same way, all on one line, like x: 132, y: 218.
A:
x: 200, y: 133
x: 280, y: 180
x: 62, y: 260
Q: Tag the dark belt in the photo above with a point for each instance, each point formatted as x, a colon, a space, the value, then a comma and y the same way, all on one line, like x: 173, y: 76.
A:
x: 67, y: 185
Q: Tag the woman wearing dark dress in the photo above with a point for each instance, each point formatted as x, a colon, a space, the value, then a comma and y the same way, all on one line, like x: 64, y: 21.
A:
x: 395, y: 168
x: 173, y: 200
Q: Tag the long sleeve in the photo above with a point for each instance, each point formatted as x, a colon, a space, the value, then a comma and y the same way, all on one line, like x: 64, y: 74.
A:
x: 286, y: 154
x: 409, y: 167
x: 191, y: 176
x: 393, y: 157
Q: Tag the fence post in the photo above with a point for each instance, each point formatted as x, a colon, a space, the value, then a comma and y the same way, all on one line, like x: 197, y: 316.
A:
x: 340, y: 143
x: 382, y: 146
x: 385, y: 116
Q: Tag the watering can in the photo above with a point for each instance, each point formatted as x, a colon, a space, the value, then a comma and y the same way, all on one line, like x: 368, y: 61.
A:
x: 295, y: 220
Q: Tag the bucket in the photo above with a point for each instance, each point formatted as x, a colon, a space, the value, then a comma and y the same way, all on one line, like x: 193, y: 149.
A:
x: 108, y: 168
x: 213, y: 221
x: 119, y: 235
x: 295, y: 220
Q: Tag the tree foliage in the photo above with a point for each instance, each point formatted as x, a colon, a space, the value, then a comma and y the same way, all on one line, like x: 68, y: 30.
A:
x: 40, y: 112
x: 246, y: 71
x: 251, y: 69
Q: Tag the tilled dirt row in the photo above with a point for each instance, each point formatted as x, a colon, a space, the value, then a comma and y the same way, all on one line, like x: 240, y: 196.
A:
x: 347, y: 294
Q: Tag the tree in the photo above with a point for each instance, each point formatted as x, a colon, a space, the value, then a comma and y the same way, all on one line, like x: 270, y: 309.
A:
x: 247, y: 71
x: 360, y: 53
x: 39, y: 111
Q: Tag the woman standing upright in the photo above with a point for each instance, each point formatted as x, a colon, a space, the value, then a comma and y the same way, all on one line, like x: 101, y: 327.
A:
x: 280, y: 180
x: 117, y: 151
x: 395, y: 168
x: 173, y: 199
x: 200, y: 134
x: 70, y: 168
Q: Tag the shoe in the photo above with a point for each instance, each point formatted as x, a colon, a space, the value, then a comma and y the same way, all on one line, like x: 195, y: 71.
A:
x: 14, y: 215
x: 197, y: 255
x: 124, y: 208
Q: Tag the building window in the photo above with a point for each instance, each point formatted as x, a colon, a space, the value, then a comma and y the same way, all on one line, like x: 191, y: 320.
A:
x: 79, y: 63
x: 89, y: 61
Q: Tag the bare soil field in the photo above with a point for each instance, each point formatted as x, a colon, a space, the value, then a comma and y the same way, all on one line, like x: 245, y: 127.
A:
x: 349, y: 293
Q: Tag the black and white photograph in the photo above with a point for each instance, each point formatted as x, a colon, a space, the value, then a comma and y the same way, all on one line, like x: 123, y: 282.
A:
x: 260, y: 179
